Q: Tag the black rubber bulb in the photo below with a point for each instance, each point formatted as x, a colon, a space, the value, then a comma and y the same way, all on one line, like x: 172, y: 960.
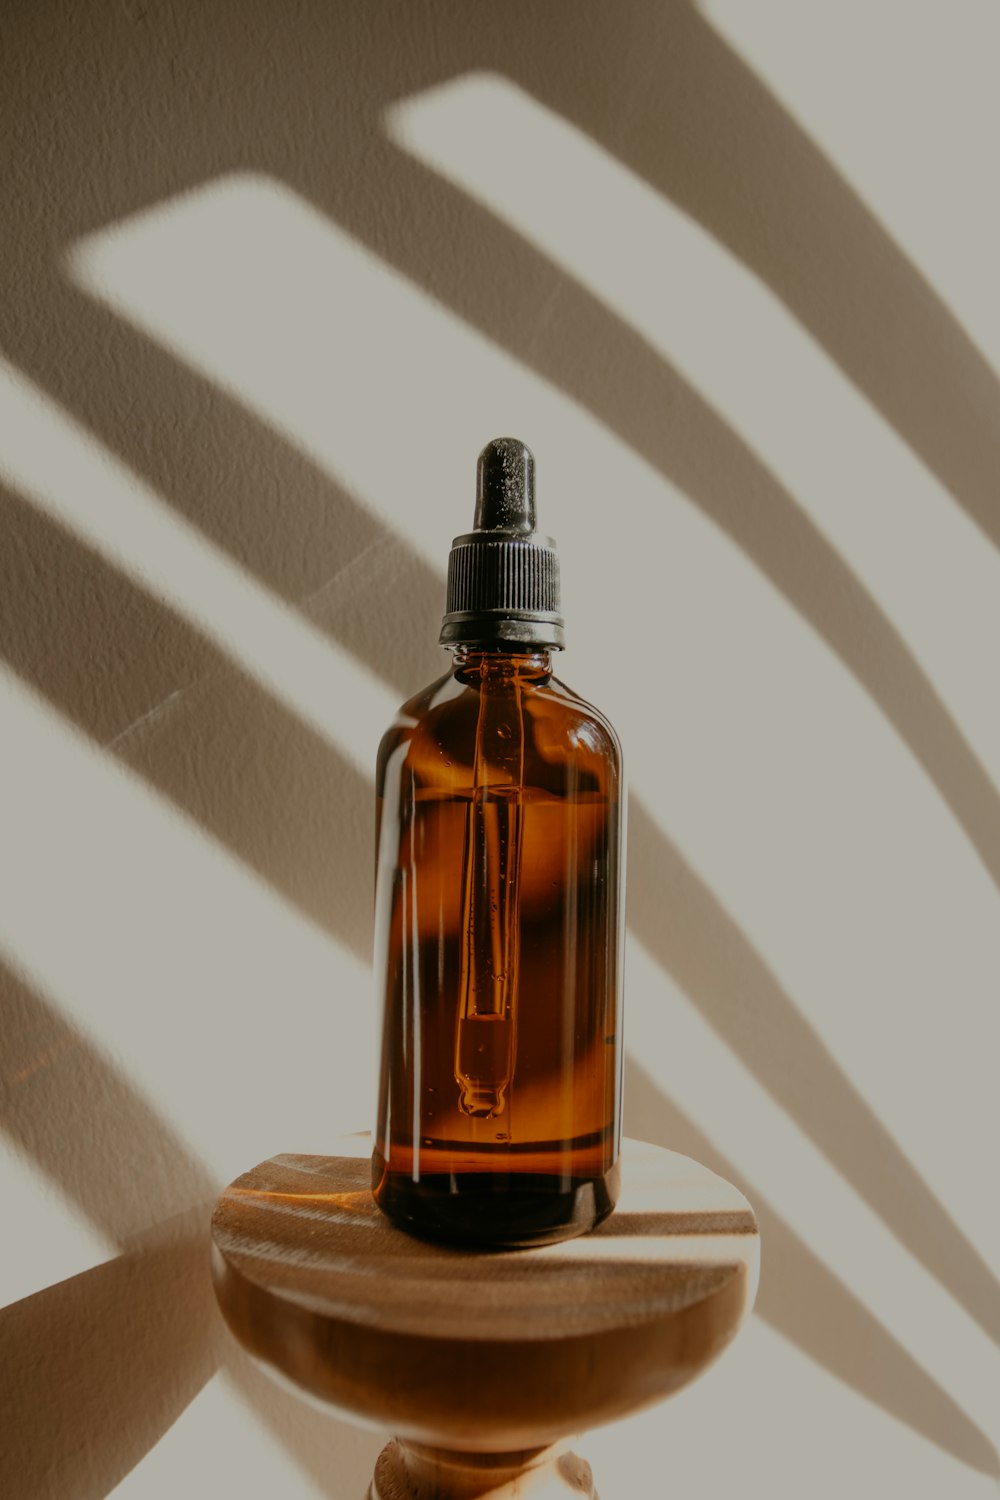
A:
x: 505, y: 487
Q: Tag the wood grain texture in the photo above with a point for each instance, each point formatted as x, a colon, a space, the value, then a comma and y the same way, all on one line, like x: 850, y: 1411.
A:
x: 482, y: 1351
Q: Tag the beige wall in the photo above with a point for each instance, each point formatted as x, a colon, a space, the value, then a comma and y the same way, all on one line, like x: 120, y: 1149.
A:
x: 270, y: 275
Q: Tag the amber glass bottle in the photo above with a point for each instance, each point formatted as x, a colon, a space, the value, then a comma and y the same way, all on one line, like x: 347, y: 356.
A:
x: 498, y: 911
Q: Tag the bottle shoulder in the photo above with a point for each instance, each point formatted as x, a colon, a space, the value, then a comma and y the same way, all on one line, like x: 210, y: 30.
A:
x: 565, y: 738
x: 582, y: 719
x: 417, y: 718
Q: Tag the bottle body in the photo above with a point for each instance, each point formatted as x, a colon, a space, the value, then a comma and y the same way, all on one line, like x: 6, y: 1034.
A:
x: 498, y: 950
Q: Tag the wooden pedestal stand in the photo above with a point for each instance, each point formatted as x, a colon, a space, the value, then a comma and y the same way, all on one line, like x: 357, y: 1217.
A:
x: 482, y: 1363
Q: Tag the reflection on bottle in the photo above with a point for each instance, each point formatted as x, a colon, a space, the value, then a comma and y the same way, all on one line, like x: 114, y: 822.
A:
x: 486, y: 1034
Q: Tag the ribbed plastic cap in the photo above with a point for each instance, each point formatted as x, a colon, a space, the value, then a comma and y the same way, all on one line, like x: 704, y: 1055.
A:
x: 503, y: 577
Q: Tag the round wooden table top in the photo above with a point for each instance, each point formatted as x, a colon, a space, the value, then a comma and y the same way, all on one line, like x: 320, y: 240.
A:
x: 472, y: 1349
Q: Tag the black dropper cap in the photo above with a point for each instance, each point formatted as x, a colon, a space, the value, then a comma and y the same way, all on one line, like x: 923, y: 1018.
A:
x: 503, y: 577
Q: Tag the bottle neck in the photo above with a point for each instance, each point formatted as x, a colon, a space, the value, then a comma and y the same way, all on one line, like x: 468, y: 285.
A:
x: 473, y: 664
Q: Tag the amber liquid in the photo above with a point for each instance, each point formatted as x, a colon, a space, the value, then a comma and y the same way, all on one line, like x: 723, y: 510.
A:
x: 497, y: 940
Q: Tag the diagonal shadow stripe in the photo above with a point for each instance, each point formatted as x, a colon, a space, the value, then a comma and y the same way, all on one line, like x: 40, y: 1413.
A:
x: 48, y: 1063
x: 802, y: 229
x: 277, y: 514
x: 664, y: 420
x: 806, y: 1303
x: 692, y: 447
x: 85, y: 1346
x: 682, y: 925
x: 647, y: 404
x: 136, y: 677
x: 865, y: 1153
x: 94, y: 1370
x: 702, y: 129
x: 653, y: 83
x: 48, y: 342
x: 670, y: 910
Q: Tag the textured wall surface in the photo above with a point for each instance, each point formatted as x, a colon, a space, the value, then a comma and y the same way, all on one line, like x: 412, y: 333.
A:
x: 270, y: 275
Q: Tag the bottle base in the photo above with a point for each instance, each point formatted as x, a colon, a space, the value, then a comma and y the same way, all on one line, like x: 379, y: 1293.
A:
x: 494, y: 1210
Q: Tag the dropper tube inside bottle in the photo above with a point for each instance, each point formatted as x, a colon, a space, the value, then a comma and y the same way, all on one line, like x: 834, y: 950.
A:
x: 486, y: 1038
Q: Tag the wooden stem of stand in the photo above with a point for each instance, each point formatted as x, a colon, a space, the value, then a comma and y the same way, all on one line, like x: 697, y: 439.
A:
x: 407, y: 1471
